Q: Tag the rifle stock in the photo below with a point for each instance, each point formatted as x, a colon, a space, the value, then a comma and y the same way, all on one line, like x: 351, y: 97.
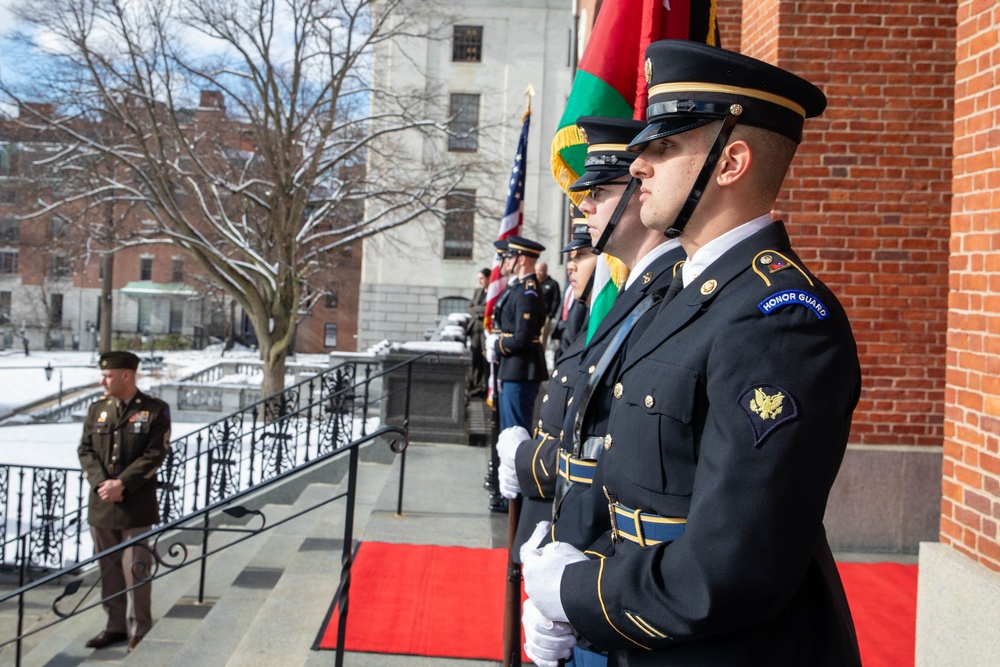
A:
x: 512, y: 592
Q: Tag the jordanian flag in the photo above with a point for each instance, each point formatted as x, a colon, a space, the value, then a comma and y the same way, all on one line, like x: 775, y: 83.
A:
x: 611, y: 81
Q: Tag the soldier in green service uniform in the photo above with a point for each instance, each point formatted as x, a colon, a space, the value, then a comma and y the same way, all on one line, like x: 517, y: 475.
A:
x: 126, y: 437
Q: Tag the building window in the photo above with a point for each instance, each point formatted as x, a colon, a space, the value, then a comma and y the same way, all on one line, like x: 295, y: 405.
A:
x: 333, y: 296
x: 8, y: 261
x: 467, y: 44
x: 176, y: 270
x: 464, y: 124
x: 145, y: 268
x: 9, y: 230
x: 59, y: 266
x: 452, y: 304
x: 59, y: 227
x: 5, y: 316
x: 330, y: 334
x: 55, y: 311
x: 459, y: 221
x: 176, y: 316
x: 145, y: 315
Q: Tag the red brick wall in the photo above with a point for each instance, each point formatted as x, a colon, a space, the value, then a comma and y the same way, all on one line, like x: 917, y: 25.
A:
x: 970, y: 507
x: 867, y: 200
x: 729, y: 17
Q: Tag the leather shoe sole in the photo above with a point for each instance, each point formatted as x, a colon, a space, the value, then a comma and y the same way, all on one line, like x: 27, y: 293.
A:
x: 106, y: 639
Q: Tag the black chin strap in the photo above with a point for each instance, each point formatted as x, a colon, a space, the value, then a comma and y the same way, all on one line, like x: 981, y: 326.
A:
x: 585, y: 296
x: 728, y: 123
x: 630, y: 188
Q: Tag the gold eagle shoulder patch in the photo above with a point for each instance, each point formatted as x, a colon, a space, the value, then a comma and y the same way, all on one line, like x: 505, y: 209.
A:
x: 767, y: 407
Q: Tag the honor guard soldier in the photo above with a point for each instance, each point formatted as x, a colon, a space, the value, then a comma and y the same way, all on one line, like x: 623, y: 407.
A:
x: 612, y: 205
x: 126, y: 437
x: 732, y: 411
x: 528, y: 465
x: 518, y: 344
x: 612, y: 208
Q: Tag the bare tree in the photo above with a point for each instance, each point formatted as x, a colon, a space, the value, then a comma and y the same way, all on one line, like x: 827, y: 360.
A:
x: 260, y: 193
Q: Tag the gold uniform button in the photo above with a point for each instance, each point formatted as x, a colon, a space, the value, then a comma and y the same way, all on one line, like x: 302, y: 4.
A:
x: 708, y: 287
x: 649, y: 401
x: 563, y: 380
x: 539, y: 424
x: 545, y: 398
x: 619, y: 390
x: 555, y: 372
x: 607, y: 441
x: 592, y: 369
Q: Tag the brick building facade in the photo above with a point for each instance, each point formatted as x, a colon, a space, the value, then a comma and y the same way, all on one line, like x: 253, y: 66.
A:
x: 51, y: 268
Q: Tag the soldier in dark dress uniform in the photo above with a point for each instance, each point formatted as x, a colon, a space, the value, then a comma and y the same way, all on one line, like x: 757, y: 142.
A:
x: 518, y: 345
x: 528, y: 465
x: 126, y: 437
x: 652, y: 260
x: 731, y: 412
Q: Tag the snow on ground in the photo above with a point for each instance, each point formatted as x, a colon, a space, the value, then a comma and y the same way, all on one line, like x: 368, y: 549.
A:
x: 22, y: 382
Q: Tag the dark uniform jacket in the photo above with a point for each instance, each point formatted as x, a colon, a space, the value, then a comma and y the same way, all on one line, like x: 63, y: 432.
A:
x: 535, y: 461
x: 519, y: 346
x: 575, y: 325
x: 733, y: 413
x: 128, y: 446
x: 552, y: 295
x: 582, y: 516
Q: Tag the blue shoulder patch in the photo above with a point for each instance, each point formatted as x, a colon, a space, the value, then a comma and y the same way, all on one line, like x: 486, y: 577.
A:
x: 793, y: 297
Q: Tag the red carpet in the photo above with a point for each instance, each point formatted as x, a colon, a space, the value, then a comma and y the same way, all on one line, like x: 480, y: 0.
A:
x: 883, y: 599
x: 424, y: 600
x: 448, y: 602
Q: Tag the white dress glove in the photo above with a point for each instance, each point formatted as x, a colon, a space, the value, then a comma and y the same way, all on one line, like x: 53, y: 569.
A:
x: 490, y: 351
x: 542, y: 570
x: 546, y: 641
x: 508, y: 442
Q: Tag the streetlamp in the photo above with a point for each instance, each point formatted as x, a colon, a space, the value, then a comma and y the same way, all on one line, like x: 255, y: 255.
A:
x: 48, y: 376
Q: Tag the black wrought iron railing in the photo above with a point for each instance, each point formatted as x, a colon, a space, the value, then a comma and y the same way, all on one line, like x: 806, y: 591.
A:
x: 311, y: 422
x: 268, y: 437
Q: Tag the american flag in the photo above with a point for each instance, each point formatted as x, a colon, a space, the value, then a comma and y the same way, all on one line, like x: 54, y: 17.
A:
x: 513, y: 215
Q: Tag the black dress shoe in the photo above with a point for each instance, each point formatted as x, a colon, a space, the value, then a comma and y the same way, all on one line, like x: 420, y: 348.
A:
x: 134, y: 642
x: 105, y: 638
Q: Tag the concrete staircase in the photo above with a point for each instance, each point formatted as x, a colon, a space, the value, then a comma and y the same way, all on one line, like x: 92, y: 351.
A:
x: 266, y: 597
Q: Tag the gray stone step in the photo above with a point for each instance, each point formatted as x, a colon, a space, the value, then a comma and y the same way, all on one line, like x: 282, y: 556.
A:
x: 177, y: 591
x: 296, y: 559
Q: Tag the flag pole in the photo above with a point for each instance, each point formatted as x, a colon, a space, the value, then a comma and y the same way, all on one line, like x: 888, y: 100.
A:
x: 512, y: 597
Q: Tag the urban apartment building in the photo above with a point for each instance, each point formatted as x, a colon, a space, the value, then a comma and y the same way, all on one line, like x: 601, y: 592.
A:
x: 51, y: 267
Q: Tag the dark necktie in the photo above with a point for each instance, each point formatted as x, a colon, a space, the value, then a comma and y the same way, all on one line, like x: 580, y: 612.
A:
x: 676, y: 285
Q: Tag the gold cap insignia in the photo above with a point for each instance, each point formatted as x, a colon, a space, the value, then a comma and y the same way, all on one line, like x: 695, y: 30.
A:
x: 708, y: 287
x: 583, y: 135
x: 646, y: 277
x: 648, y: 70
